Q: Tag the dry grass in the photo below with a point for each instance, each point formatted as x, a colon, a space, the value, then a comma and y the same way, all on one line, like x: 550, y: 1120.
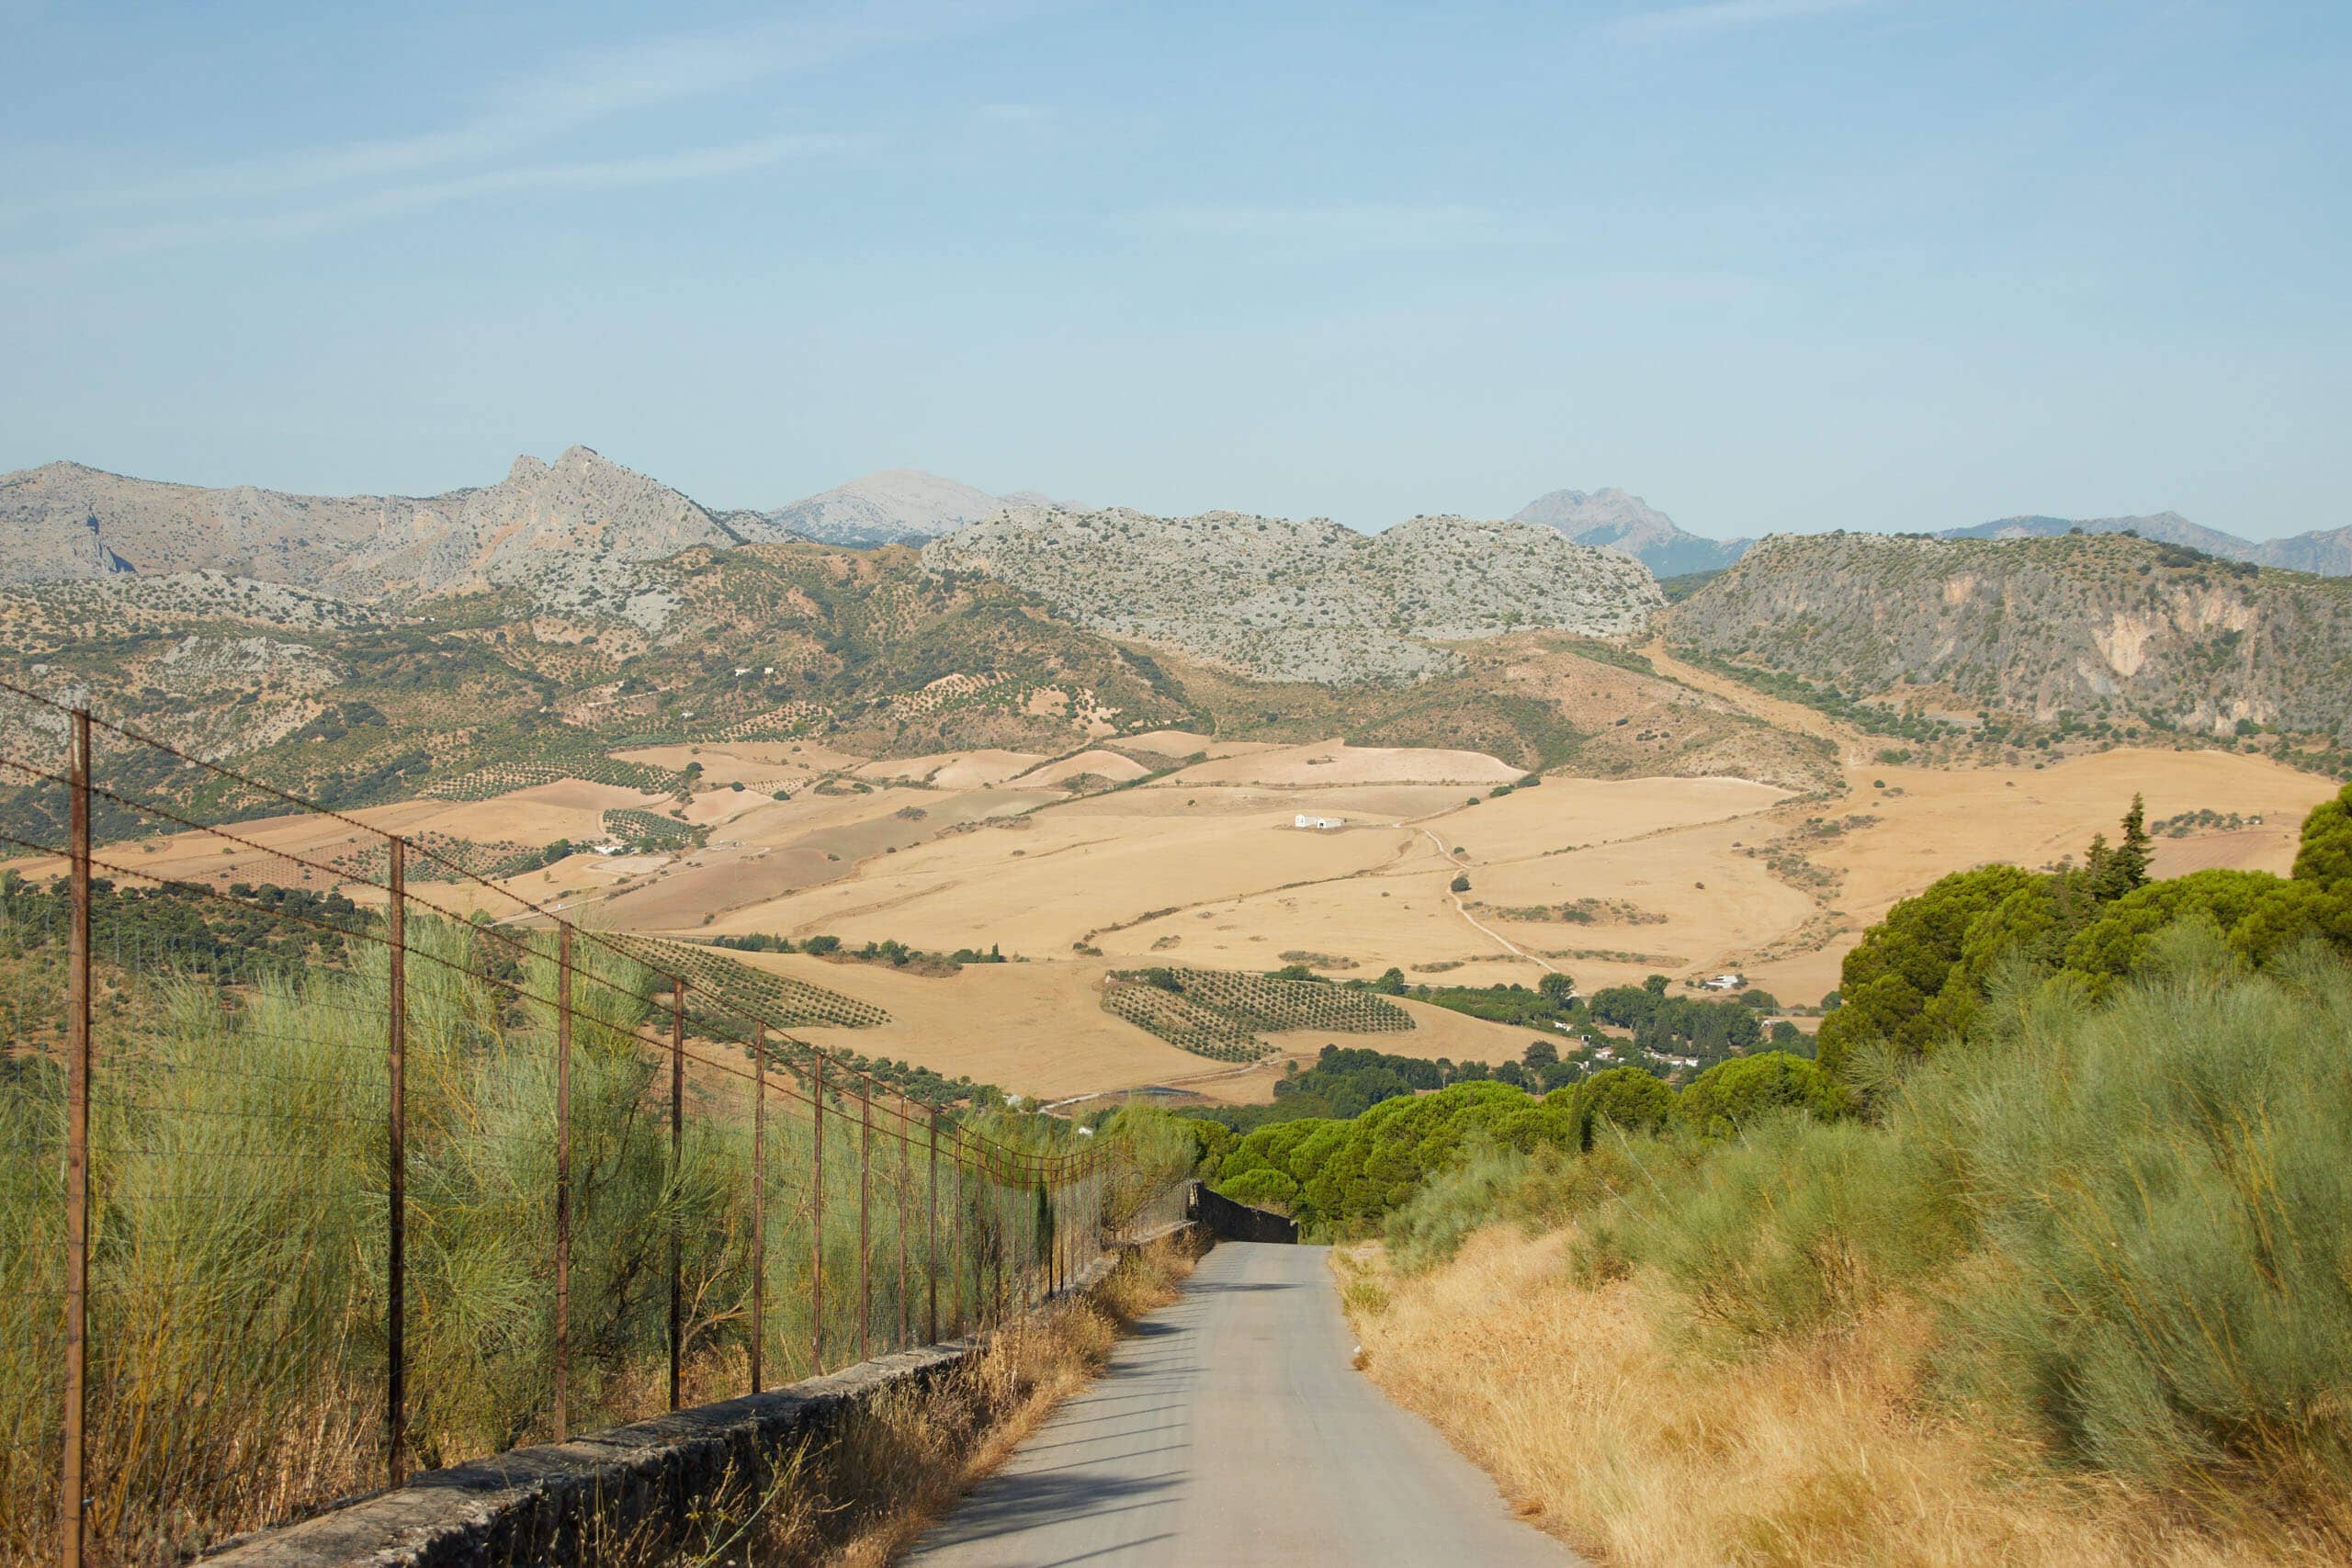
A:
x: 1827, y: 1450
x: 861, y: 1497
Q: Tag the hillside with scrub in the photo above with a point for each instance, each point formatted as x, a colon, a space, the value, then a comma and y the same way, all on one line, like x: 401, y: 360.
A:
x: 1998, y: 646
x: 2040, y: 1262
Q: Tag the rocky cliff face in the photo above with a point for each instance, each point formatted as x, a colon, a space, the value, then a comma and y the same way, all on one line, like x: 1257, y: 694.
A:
x: 1304, y: 601
x: 2093, y: 626
x: 64, y: 521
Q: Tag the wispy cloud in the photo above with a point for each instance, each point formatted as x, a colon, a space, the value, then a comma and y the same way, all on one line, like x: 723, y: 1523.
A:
x: 1363, y: 226
x: 574, y: 92
x: 405, y: 200
x: 1685, y: 21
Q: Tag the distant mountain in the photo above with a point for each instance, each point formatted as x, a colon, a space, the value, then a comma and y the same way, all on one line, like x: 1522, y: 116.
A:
x: 64, y: 521
x: 896, y: 506
x: 1289, y: 601
x: 1627, y: 523
x: 2168, y: 526
x: 2101, y: 628
x: 2327, y: 553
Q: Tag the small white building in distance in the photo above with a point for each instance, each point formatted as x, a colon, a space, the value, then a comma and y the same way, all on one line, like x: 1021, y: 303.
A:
x: 1724, y: 982
x: 1305, y: 820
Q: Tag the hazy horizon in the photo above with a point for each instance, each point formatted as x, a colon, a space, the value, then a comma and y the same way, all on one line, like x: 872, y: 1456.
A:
x: 1775, y: 265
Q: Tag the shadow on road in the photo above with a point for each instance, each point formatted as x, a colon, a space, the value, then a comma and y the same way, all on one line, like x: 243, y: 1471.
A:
x: 1033, y: 1500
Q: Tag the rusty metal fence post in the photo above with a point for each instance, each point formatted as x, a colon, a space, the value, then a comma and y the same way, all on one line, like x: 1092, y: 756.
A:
x: 954, y: 1266
x: 71, y: 1489
x: 563, y: 1180
x: 759, y: 1195
x: 816, y: 1223
x: 396, y: 1167
x: 677, y: 1179
x: 931, y: 1247
x: 906, y: 1158
x: 865, y: 1242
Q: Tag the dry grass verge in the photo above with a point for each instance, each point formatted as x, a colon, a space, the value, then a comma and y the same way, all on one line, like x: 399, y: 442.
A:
x: 861, y: 1494
x: 1827, y: 1449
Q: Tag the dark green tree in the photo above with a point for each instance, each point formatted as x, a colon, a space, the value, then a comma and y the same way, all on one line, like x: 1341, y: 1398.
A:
x: 1627, y: 1098
x: 2128, y: 867
x: 1729, y: 1095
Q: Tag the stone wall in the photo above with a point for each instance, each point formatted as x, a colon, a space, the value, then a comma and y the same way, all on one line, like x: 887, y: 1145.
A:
x: 535, y: 1506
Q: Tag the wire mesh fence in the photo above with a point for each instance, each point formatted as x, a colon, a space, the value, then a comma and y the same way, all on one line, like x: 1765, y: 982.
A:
x: 315, y: 1171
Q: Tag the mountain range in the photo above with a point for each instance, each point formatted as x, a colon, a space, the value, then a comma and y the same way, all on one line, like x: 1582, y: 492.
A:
x: 580, y: 524
x: 580, y: 597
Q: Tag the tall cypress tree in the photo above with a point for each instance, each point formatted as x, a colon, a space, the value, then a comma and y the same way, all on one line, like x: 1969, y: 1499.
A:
x: 2129, y: 867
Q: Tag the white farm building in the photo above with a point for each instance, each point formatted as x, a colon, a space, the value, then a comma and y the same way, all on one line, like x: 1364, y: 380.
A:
x: 1307, y: 819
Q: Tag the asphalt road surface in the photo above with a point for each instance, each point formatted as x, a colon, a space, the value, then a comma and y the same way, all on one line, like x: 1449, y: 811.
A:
x: 1230, y: 1430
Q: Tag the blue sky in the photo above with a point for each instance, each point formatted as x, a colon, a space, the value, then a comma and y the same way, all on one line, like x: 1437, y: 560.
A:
x: 1773, y: 264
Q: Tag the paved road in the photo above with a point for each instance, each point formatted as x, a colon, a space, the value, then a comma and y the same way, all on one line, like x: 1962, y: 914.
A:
x: 1230, y: 1430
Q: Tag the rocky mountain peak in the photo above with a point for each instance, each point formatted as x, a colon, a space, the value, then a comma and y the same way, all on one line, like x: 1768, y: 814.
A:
x: 1620, y: 519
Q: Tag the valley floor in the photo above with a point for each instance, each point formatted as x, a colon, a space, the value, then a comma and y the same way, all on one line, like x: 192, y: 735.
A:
x: 1072, y: 867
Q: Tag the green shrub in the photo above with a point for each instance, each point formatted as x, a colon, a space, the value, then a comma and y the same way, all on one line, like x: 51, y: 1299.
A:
x: 1796, y: 1225
x: 2164, y: 1199
x: 1451, y: 1206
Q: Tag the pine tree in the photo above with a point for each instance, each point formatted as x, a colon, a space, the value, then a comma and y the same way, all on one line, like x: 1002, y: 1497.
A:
x: 2128, y: 868
x: 2099, y: 868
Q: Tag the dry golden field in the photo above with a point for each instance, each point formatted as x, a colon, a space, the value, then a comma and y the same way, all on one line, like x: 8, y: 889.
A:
x: 1608, y: 880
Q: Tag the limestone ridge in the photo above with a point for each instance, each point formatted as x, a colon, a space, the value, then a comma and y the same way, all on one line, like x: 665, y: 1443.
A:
x: 1282, y: 600
x: 2099, y: 626
x: 64, y: 521
x: 895, y: 506
x: 1620, y: 521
